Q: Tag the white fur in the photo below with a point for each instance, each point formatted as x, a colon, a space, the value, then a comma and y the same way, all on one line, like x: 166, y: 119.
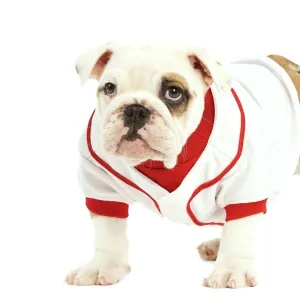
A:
x: 110, y: 260
x: 235, y: 265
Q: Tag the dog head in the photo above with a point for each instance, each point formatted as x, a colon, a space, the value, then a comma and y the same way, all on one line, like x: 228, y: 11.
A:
x: 150, y: 97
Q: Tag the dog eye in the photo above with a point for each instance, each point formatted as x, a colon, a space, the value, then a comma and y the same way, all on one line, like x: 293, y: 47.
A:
x: 110, y: 89
x: 173, y: 93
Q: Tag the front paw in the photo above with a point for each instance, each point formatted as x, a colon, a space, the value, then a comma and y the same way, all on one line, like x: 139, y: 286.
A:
x: 97, y: 273
x: 232, y: 273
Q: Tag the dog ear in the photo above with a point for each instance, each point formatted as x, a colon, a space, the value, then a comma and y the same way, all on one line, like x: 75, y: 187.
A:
x: 92, y: 63
x: 211, y: 70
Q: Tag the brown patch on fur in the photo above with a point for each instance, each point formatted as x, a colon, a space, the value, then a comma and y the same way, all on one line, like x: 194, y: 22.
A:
x: 179, y: 110
x: 291, y: 68
x: 174, y: 79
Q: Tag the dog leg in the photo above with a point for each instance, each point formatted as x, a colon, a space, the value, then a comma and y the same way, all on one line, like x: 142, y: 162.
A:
x: 236, y: 259
x: 110, y: 261
x: 209, y: 250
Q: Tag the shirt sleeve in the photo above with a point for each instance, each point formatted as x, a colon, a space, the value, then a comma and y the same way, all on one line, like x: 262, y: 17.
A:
x: 101, y: 191
x: 245, y: 190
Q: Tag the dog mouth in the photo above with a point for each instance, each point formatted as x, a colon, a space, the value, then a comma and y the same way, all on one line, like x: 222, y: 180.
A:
x: 131, y: 137
x: 132, y: 134
x: 134, y: 147
x: 138, y: 134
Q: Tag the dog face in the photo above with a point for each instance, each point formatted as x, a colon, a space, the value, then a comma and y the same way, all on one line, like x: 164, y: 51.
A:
x: 150, y: 97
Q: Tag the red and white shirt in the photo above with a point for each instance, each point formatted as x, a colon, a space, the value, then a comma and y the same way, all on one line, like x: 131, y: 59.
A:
x: 244, y: 150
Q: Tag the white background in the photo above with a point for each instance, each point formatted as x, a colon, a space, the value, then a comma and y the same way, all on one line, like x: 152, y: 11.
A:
x: 44, y: 225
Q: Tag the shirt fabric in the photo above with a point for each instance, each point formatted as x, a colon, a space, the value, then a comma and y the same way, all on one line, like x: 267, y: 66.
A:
x: 243, y: 152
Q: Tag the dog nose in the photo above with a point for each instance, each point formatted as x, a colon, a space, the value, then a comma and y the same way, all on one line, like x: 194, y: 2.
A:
x: 136, y: 116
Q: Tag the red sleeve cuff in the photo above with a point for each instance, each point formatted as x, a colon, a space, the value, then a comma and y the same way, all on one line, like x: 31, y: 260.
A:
x: 108, y: 208
x: 242, y: 210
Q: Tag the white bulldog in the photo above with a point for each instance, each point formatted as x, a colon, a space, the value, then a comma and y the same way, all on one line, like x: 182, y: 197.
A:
x: 191, y: 139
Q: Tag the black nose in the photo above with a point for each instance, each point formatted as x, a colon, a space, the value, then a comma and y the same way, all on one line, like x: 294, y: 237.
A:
x: 135, y: 117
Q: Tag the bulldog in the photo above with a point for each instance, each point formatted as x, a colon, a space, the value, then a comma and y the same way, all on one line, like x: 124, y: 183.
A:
x: 193, y: 140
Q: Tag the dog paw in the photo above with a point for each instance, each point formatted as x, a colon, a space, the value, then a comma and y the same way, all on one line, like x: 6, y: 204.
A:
x: 209, y: 250
x: 95, y: 274
x: 232, y: 274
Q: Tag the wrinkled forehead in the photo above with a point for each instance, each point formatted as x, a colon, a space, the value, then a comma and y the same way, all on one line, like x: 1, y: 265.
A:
x: 143, y: 63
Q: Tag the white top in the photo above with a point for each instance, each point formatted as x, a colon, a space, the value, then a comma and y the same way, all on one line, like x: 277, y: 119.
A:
x: 252, y: 152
